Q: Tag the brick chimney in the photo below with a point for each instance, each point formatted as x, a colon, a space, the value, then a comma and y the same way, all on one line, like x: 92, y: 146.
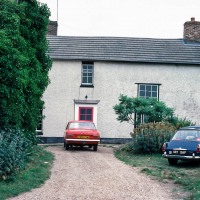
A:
x: 192, y: 30
x: 52, y: 28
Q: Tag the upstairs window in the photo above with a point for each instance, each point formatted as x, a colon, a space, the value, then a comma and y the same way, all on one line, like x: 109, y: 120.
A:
x: 148, y: 90
x: 87, y: 74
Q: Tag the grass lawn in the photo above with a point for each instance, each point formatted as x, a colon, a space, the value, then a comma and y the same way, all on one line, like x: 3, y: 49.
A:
x: 186, y: 174
x: 36, y: 173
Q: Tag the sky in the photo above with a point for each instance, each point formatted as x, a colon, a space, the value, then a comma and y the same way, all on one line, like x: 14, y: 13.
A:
x: 123, y: 18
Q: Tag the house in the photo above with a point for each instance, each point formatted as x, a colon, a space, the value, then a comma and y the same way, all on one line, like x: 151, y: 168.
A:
x: 89, y: 74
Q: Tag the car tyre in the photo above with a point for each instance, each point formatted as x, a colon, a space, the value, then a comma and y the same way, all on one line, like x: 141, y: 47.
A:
x: 172, y: 161
x: 95, y: 147
x: 66, y: 146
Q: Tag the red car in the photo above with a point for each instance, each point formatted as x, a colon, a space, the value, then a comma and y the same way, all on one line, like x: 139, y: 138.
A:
x: 81, y: 133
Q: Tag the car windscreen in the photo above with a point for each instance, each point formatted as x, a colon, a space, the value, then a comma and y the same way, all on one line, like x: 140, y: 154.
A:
x: 187, y: 135
x: 82, y: 125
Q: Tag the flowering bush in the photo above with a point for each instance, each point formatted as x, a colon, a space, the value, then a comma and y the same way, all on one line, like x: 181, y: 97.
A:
x: 149, y: 138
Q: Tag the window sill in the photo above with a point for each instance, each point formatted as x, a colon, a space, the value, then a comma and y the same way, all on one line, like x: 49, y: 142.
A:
x: 39, y: 132
x: 87, y: 86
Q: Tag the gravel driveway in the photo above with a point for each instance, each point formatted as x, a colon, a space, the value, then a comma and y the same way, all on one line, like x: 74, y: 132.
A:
x: 85, y: 174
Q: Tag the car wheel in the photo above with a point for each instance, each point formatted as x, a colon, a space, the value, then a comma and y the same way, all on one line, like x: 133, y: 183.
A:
x: 95, y: 147
x: 66, y: 146
x: 172, y: 161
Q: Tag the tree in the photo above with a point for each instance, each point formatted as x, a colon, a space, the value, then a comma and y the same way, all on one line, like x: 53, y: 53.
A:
x: 24, y: 63
x: 137, y: 110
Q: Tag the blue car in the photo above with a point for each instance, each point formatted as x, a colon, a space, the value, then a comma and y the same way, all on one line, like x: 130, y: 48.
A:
x: 185, y: 145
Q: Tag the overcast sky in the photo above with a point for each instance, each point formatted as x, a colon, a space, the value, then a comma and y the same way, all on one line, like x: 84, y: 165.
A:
x: 126, y: 18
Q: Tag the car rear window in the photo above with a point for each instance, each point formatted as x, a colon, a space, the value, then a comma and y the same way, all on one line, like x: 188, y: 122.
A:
x: 82, y: 125
x: 187, y: 135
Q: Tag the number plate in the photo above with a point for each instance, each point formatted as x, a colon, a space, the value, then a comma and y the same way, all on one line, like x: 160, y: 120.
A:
x: 179, y: 152
x: 182, y: 152
x: 83, y: 137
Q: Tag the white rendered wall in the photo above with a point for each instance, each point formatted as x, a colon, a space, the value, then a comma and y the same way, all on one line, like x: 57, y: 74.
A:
x: 179, y: 89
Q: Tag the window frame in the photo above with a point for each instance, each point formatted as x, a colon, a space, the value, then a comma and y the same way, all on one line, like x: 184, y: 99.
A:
x: 145, y: 90
x: 39, y: 129
x: 87, y: 76
x: 92, y: 114
x: 138, y: 95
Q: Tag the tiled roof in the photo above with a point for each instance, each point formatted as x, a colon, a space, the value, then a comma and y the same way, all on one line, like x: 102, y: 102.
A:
x: 124, y: 49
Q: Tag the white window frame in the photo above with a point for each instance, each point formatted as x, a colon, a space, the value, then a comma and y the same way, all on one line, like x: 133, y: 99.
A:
x: 87, y: 73
x: 149, y: 90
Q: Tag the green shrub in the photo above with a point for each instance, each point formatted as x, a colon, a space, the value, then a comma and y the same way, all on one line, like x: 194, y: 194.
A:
x: 14, y: 152
x: 149, y: 138
x: 179, y: 122
x: 140, y: 110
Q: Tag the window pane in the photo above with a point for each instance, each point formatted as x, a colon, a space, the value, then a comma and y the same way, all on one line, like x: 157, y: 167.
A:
x: 82, y: 111
x: 89, y: 117
x: 84, y: 80
x: 82, y: 117
x: 154, y: 88
x: 148, y: 94
x: 148, y: 88
x: 39, y: 127
x: 142, y: 93
x: 89, y: 79
x: 142, y: 87
x: 89, y: 111
x: 154, y: 94
x: 90, y: 66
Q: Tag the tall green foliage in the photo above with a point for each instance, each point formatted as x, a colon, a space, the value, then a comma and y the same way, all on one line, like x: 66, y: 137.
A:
x: 24, y: 64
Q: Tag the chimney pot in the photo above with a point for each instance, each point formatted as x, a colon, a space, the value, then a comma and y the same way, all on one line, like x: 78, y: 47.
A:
x: 193, y: 19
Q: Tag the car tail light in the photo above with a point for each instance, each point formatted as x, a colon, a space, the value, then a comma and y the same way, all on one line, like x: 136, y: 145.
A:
x: 163, y: 147
x: 198, y: 148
